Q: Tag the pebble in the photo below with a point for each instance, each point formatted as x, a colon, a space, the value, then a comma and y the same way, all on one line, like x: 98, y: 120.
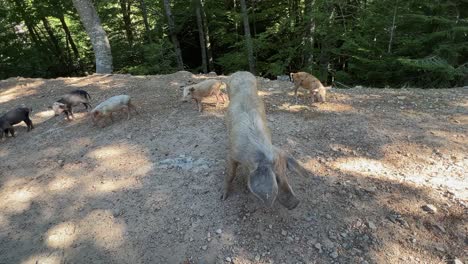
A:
x: 290, y: 239
x: 228, y: 259
x: 430, y: 208
x: 270, y: 226
x: 204, y: 247
x: 284, y: 232
x: 334, y: 254
x: 318, y: 246
x: 219, y: 231
x: 328, y: 216
x: 371, y: 225
x: 257, y: 258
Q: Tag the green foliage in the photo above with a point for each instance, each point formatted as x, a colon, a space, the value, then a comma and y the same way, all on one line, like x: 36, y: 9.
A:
x: 335, y: 40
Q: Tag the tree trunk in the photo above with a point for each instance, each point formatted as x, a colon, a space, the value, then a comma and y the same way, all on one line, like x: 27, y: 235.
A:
x: 175, y: 41
x: 76, y: 53
x: 248, y: 38
x: 207, y: 37
x: 144, y: 13
x: 309, y: 32
x: 92, y: 24
x: 53, y: 40
x: 392, y: 31
x: 125, y: 9
x: 201, y: 35
x: 32, y: 34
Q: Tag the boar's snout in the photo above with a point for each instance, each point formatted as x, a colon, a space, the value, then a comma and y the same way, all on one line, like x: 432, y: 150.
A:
x: 262, y: 183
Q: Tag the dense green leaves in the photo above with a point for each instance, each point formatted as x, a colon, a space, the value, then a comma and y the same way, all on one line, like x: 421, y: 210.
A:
x: 379, y: 43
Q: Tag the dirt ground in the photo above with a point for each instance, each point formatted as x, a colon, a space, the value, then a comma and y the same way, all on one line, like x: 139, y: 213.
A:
x: 387, y: 178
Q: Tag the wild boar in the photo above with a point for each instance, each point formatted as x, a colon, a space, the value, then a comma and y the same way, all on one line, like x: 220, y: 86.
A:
x: 111, y: 105
x: 204, y: 89
x: 68, y: 101
x: 250, y: 145
x: 14, y: 117
x: 317, y: 91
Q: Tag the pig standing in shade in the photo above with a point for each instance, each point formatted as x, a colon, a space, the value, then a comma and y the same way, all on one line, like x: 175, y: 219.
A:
x: 74, y: 98
x: 14, y: 117
x: 111, y: 105
x: 204, y: 89
x: 250, y: 145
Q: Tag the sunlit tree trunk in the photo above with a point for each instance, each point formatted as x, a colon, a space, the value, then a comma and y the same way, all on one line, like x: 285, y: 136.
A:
x: 248, y: 38
x: 201, y: 35
x: 76, y: 53
x: 309, y: 32
x: 99, y: 40
x: 175, y: 41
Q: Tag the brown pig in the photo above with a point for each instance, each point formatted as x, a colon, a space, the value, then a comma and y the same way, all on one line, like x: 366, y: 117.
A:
x: 309, y: 82
x: 250, y: 145
x: 204, y: 89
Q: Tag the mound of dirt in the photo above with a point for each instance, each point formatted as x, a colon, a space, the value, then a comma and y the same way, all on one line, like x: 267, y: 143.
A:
x: 387, y: 178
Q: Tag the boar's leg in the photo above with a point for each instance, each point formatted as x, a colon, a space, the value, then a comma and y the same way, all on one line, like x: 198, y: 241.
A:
x: 200, y: 107
x: 131, y: 106
x: 111, y: 118
x: 230, y: 176
x: 29, y: 123
x: 12, y: 131
x: 125, y: 109
x: 296, y: 87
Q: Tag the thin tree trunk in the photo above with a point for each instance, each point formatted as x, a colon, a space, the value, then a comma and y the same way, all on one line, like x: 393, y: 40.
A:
x: 309, y: 32
x: 175, y: 41
x: 92, y: 24
x: 76, y: 53
x: 54, y: 41
x: 392, y: 31
x: 248, y: 38
x: 201, y: 35
x: 144, y: 13
x: 125, y: 9
x: 207, y: 37
x: 32, y: 34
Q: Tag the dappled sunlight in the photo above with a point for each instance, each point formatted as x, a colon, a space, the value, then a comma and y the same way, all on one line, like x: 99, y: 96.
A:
x: 103, y: 228
x: 113, y: 185
x: 17, y: 200
x: 44, y: 258
x: 62, y: 183
x: 61, y: 235
x: 362, y: 166
x: 20, y: 90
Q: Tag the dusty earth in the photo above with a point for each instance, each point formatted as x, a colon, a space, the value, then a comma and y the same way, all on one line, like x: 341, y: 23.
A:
x: 387, y: 178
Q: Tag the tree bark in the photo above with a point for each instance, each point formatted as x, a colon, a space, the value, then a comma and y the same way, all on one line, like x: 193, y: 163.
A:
x: 53, y: 40
x: 248, y: 38
x: 392, y: 31
x: 99, y: 40
x: 125, y: 9
x: 144, y: 13
x: 207, y: 37
x: 76, y: 53
x: 175, y: 41
x: 201, y: 35
x: 309, y: 31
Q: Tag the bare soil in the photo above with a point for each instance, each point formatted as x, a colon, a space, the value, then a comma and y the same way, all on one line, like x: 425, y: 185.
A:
x: 387, y: 178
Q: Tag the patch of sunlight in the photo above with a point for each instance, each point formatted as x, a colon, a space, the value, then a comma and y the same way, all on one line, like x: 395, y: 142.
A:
x: 102, y: 227
x: 17, y: 200
x: 294, y: 108
x: 264, y: 93
x: 61, y: 235
x: 364, y: 166
x: 44, y: 258
x: 44, y: 114
x: 61, y: 184
x: 109, y: 186
x: 3, y: 153
x: 20, y: 90
x: 4, y: 222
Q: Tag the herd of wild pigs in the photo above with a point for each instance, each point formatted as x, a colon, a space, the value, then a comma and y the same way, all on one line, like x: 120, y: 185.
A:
x: 249, y: 137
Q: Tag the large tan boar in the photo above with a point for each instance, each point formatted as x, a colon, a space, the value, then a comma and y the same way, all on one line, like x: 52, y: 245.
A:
x: 204, y: 89
x: 250, y: 145
x: 309, y: 82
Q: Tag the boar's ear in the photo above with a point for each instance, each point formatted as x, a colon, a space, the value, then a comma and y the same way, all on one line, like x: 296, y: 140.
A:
x: 293, y: 165
x: 192, y: 89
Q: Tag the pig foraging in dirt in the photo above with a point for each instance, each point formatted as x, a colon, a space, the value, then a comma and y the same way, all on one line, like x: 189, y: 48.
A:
x: 74, y: 98
x: 250, y: 145
x: 111, y: 105
x: 309, y: 82
x: 204, y: 89
x: 14, y: 117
